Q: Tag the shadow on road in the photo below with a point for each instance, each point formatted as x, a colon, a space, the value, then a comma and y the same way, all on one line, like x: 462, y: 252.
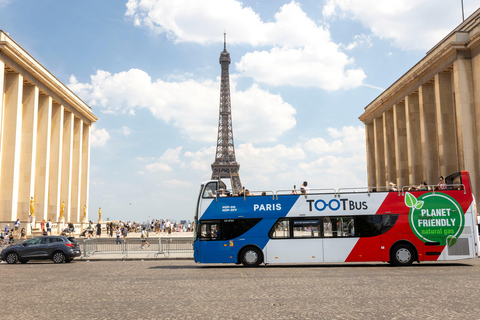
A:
x: 321, y: 266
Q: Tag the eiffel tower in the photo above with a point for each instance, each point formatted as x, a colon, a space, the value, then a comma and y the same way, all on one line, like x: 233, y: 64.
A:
x: 225, y: 165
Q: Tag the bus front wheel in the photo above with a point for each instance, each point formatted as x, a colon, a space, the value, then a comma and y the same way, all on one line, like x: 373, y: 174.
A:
x: 251, y: 257
x: 403, y: 255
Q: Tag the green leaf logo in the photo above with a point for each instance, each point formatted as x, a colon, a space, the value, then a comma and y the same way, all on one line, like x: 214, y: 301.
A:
x: 419, y: 205
x: 411, y: 201
x: 451, y: 240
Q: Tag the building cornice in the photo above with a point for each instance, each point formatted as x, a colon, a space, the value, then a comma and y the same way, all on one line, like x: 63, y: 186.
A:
x: 445, y: 52
x: 11, y: 49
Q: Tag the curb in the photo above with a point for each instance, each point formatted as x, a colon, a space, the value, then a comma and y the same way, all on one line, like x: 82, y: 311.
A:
x: 130, y: 259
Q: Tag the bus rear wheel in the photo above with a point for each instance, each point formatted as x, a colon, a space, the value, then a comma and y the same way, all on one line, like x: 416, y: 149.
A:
x: 402, y: 255
x: 251, y: 257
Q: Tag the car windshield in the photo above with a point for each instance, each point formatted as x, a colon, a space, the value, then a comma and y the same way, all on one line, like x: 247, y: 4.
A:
x: 72, y: 239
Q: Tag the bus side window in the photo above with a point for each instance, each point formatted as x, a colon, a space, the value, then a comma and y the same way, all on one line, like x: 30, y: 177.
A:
x: 281, y: 229
x: 338, y: 227
x: 305, y: 228
x: 210, y: 231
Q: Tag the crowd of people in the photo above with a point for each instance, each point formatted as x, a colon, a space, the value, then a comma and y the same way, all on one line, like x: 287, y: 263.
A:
x: 7, y: 235
x: 118, y: 229
x: 424, y: 186
x: 122, y: 229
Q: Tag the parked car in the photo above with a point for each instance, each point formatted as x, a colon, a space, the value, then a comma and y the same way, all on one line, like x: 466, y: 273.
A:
x: 57, y: 248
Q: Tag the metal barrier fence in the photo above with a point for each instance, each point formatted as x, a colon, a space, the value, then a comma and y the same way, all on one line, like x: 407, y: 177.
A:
x: 156, y: 246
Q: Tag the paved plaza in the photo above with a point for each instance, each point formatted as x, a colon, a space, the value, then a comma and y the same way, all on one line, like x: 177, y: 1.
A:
x: 181, y: 289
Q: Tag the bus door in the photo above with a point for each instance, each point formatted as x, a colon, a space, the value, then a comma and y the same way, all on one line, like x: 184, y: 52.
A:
x: 295, y: 241
x: 338, y: 238
x: 213, y: 249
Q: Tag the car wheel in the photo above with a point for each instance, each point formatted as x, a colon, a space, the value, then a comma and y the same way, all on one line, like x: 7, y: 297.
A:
x: 23, y: 261
x: 12, y: 258
x: 251, y: 257
x: 403, y: 255
x: 58, y: 257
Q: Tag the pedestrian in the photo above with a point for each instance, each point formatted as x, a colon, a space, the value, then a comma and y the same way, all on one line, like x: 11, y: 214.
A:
x: 49, y: 226
x: 144, y: 238
x: 17, y: 225
x: 90, y: 229
x: 31, y: 224
x: 42, y: 225
x: 11, y: 239
x: 118, y: 236
x: 99, y: 229
x: 125, y: 232
x: 23, y: 234
x: 111, y: 229
x: 108, y: 228
x: 5, y: 236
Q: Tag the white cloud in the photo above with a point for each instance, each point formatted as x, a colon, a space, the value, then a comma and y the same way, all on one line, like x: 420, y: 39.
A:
x: 410, y: 24
x: 301, y: 51
x: 172, y: 155
x: 257, y: 114
x: 164, y: 162
x: 360, y: 40
x: 177, y: 183
x: 341, y: 163
x: 317, y: 66
x: 98, y: 137
x: 158, y: 166
x: 126, y: 131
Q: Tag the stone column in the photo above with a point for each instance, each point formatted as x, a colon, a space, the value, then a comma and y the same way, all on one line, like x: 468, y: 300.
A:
x: 371, y: 165
x: 67, y: 155
x: 465, y: 113
x: 28, y: 150
x: 11, y: 141
x: 401, y: 150
x: 428, y: 133
x: 2, y: 107
x: 446, y: 124
x: 389, y: 140
x: 55, y: 162
x: 412, y: 117
x: 476, y: 88
x: 379, y: 151
x: 42, y: 166
x: 84, y: 186
x: 77, y: 206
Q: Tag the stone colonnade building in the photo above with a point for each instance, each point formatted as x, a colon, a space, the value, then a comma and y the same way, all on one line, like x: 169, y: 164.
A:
x: 427, y: 123
x: 44, y: 140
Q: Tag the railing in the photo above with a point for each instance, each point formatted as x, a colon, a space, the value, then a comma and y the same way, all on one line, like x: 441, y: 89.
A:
x: 156, y: 246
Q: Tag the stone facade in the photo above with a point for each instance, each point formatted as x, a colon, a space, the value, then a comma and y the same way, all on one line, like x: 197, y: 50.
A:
x: 44, y: 140
x: 427, y: 123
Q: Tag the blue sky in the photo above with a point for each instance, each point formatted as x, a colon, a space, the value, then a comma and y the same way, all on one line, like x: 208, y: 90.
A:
x: 301, y: 74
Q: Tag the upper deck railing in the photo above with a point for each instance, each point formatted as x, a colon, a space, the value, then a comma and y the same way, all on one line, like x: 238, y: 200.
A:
x: 229, y: 193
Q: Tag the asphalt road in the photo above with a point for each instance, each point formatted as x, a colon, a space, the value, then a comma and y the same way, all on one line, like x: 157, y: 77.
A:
x: 181, y: 289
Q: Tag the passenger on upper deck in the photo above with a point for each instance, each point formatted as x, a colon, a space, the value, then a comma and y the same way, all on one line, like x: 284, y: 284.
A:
x: 304, y: 189
x: 441, y: 183
x: 423, y: 186
x: 294, y: 189
x: 392, y: 187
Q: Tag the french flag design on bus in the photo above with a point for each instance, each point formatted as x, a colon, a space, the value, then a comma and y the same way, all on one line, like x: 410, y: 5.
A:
x: 347, y: 225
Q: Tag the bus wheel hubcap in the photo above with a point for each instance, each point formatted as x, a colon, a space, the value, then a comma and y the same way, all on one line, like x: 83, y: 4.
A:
x: 251, y: 256
x: 403, y: 255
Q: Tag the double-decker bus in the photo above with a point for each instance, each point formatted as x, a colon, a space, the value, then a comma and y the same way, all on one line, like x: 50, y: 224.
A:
x: 344, y: 225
